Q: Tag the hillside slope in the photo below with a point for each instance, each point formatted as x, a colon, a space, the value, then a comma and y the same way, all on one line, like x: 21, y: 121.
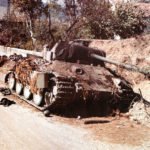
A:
x: 135, y: 51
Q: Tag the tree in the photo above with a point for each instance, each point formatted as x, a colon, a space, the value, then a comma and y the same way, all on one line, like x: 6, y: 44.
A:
x: 32, y: 10
x: 129, y: 20
x: 101, y: 22
x: 98, y: 17
x: 92, y: 16
x: 71, y: 10
x: 13, y: 34
x: 51, y: 11
x: 47, y: 23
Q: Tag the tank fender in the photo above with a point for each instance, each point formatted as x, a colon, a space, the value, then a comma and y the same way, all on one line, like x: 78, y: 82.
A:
x: 41, y: 80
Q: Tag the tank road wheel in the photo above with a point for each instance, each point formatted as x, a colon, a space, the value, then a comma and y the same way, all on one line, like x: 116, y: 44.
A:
x: 60, y: 93
x: 46, y: 113
x: 19, y: 88
x: 50, y: 96
x: 11, y: 82
x: 27, y: 92
x: 37, y: 99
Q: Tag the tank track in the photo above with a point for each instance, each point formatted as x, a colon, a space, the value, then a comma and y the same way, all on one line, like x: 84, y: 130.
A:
x: 65, y: 92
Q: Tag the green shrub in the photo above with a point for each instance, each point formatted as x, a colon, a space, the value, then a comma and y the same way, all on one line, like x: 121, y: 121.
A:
x: 129, y: 20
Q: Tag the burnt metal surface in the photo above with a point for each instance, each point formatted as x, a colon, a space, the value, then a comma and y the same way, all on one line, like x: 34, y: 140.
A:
x: 92, y: 78
x: 67, y: 82
x: 74, y: 51
x: 67, y: 79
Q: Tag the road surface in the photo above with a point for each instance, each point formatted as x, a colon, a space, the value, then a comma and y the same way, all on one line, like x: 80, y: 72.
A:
x: 20, y: 129
x: 24, y: 129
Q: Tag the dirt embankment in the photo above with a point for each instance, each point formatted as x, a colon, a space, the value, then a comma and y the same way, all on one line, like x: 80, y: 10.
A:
x: 134, y: 51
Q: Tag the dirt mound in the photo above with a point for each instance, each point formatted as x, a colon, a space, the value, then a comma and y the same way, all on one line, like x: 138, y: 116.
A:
x: 134, y: 51
x: 140, y: 112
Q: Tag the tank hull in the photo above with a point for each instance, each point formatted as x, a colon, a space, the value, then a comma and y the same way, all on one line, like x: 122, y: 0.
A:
x: 53, y: 85
x: 61, y: 83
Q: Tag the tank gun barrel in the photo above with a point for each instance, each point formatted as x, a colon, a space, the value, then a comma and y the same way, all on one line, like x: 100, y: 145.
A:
x: 122, y: 65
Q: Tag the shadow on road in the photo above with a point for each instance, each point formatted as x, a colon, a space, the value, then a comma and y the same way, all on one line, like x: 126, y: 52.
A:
x: 96, y: 121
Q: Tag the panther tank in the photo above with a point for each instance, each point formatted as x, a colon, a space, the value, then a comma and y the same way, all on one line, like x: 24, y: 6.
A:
x: 67, y: 74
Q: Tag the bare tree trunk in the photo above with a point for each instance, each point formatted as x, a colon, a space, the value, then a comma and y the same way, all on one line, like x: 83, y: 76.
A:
x: 50, y: 31
x: 30, y: 28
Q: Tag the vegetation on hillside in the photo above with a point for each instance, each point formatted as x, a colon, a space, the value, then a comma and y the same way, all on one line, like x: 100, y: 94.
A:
x: 36, y: 23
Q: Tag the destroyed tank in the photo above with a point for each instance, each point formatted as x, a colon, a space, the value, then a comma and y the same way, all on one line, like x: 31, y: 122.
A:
x: 68, y: 73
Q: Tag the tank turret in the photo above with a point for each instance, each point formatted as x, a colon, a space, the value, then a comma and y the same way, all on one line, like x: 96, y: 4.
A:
x: 75, y: 53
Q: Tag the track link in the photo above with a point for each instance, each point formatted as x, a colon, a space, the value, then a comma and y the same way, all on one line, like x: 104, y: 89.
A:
x: 65, y: 91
